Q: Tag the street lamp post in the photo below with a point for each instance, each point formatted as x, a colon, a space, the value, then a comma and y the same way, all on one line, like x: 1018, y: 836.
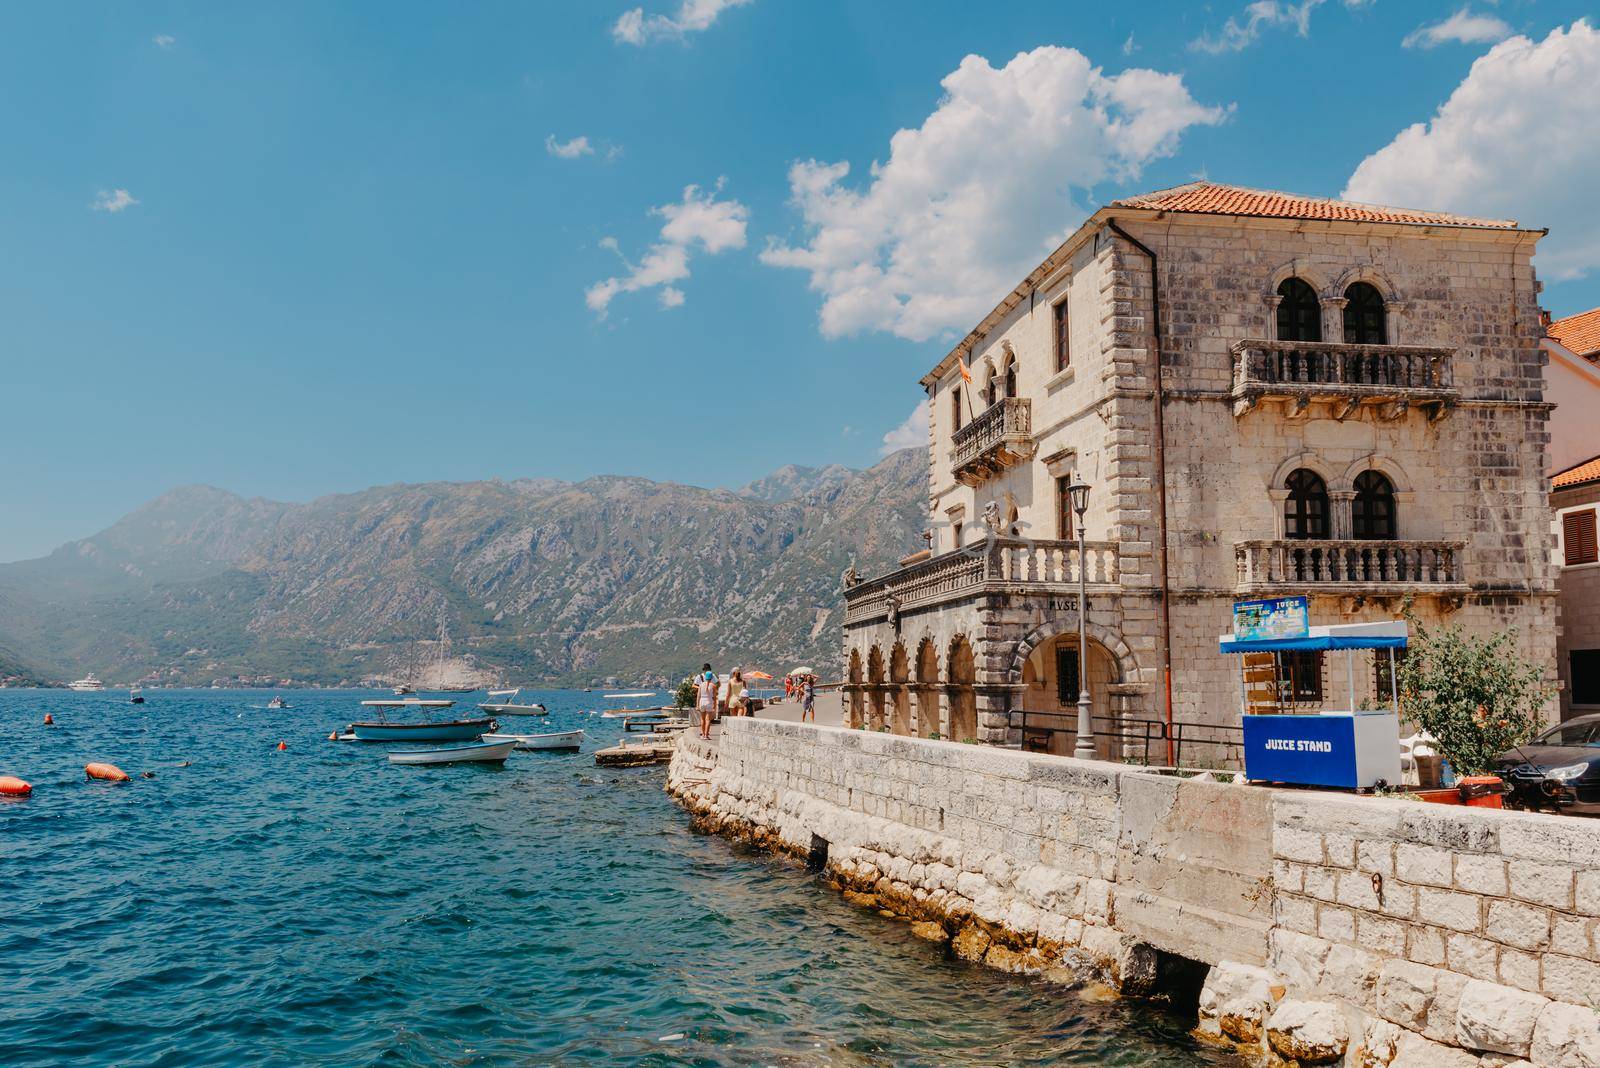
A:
x: 1084, y: 747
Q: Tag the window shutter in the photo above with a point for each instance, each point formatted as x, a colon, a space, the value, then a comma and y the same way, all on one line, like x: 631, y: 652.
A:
x: 1578, y: 536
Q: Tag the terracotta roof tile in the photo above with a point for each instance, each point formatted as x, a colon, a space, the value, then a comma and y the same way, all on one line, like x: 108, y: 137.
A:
x: 1579, y: 333
x: 1588, y: 471
x: 1210, y: 198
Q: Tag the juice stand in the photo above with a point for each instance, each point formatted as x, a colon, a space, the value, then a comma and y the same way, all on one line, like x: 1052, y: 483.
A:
x: 1348, y: 748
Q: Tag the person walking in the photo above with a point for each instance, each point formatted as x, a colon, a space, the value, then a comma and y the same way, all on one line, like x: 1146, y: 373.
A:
x: 808, y: 705
x: 705, y: 700
x: 738, y: 694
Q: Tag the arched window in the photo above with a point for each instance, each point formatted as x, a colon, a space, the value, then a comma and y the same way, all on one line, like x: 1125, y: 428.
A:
x: 1299, y: 312
x: 955, y: 409
x: 1372, y: 515
x: 1011, y: 378
x: 1363, y: 316
x: 990, y: 387
x: 1305, y: 512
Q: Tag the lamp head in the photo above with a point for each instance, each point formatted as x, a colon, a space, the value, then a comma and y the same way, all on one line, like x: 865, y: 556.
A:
x: 1079, y: 492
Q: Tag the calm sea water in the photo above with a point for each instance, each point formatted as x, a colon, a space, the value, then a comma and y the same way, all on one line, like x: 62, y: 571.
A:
x: 320, y: 906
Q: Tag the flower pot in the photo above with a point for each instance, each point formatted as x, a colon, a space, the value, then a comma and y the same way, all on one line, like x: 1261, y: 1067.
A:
x: 1481, y: 791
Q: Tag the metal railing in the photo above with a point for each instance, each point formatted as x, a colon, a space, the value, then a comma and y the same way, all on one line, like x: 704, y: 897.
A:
x: 1348, y: 562
x: 1380, y: 368
x: 1010, y: 418
x: 1006, y: 563
x: 1146, y: 736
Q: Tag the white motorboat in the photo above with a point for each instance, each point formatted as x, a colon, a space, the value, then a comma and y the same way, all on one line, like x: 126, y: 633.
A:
x: 558, y: 740
x: 277, y: 702
x: 514, y: 710
x: 88, y: 684
x: 475, y: 753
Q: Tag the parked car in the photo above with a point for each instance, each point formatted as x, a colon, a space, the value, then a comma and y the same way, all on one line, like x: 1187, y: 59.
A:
x: 1559, y: 770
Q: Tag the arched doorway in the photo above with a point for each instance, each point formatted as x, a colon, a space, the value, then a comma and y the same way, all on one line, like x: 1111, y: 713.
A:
x: 857, y: 698
x: 927, y: 690
x: 899, y: 690
x: 1050, y: 686
x: 961, y: 671
x: 875, y: 689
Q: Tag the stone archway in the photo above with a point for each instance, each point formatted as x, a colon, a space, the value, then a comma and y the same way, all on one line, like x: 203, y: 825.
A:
x: 857, y: 700
x: 875, y: 689
x: 927, y: 690
x: 961, y: 671
x: 1045, y: 664
x: 899, y: 690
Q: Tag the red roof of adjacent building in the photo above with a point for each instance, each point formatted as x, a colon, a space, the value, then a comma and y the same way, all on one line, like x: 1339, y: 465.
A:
x: 1579, y: 333
x: 1210, y: 198
x: 1588, y: 471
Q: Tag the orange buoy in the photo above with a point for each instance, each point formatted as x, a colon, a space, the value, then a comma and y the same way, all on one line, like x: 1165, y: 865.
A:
x: 48, y: 719
x: 333, y: 736
x: 108, y: 772
x: 282, y: 746
x: 11, y: 786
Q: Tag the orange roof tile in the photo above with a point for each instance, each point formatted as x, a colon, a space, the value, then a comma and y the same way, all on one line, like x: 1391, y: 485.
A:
x: 1588, y: 471
x: 1210, y: 198
x: 1579, y: 333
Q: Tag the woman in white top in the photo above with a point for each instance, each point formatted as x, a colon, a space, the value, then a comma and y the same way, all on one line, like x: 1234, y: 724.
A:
x: 705, y: 701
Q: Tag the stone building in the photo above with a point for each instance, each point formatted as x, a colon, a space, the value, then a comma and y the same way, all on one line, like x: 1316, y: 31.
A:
x: 1269, y: 395
x: 1573, y: 381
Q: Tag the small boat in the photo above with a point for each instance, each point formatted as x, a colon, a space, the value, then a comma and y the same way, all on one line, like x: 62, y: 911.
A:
x: 477, y: 753
x: 496, y: 709
x: 641, y: 693
x: 558, y: 740
x: 88, y: 684
x: 459, y: 730
x: 277, y: 702
x: 629, y: 713
x: 402, y: 689
x: 136, y: 696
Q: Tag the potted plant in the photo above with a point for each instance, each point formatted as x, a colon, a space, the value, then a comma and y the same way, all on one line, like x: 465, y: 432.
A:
x: 1477, y: 697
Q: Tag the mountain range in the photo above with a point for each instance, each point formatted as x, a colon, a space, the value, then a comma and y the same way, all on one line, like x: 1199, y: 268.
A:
x: 528, y: 582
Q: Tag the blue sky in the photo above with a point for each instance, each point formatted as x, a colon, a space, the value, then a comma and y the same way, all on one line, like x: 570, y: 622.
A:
x: 294, y: 249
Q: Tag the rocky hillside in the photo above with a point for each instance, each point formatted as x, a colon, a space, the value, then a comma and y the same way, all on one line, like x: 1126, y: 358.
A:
x: 538, y: 581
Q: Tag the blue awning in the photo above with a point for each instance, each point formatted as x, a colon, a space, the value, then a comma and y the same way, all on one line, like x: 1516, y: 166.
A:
x: 1387, y: 635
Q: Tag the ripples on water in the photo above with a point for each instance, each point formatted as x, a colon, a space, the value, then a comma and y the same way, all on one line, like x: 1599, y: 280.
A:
x: 319, y: 905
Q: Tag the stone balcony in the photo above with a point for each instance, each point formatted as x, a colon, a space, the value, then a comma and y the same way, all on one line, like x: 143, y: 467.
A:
x: 1005, y: 565
x: 1390, y: 378
x: 1360, y: 568
x: 1000, y: 436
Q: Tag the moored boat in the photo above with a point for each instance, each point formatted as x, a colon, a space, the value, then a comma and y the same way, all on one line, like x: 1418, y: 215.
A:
x: 514, y: 710
x: 556, y: 740
x: 477, y: 753
x: 458, y: 730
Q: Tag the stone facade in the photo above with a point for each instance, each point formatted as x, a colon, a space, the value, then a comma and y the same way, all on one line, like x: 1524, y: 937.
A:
x: 1579, y: 589
x: 1356, y: 931
x: 1457, y: 433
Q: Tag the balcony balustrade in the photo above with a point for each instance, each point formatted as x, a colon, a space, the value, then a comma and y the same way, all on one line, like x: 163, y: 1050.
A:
x: 1001, y: 435
x: 1015, y: 565
x: 1361, y: 567
x: 1393, y: 378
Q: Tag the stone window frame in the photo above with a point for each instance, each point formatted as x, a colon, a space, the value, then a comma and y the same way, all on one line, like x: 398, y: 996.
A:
x: 1341, y: 486
x: 1330, y: 291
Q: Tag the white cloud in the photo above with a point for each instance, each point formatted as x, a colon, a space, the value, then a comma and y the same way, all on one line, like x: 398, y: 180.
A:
x: 114, y: 200
x: 1461, y: 28
x: 700, y: 221
x: 1513, y: 141
x: 1241, y: 31
x: 578, y: 146
x: 975, y: 197
x: 164, y: 40
x: 911, y: 434
x: 1128, y: 47
x: 694, y: 16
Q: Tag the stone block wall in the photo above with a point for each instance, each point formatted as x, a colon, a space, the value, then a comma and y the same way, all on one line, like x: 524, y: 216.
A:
x: 1360, y: 931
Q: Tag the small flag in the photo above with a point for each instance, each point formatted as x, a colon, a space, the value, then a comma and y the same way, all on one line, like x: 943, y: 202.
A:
x: 966, y: 375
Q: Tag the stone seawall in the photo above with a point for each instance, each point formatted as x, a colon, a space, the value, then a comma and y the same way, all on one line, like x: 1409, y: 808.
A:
x: 1361, y: 931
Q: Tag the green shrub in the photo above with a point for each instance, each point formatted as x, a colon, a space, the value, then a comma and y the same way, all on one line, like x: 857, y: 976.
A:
x: 684, y: 698
x: 1476, y: 696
